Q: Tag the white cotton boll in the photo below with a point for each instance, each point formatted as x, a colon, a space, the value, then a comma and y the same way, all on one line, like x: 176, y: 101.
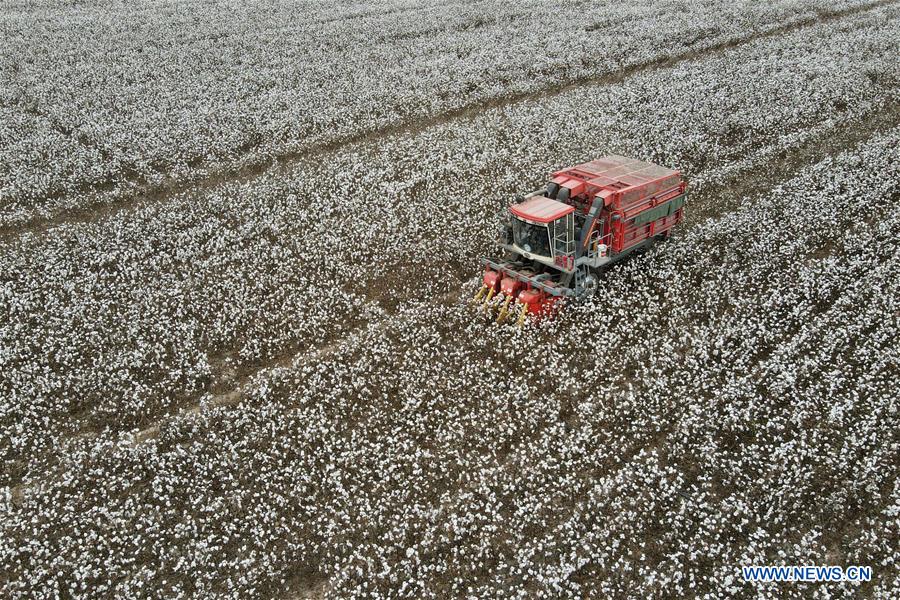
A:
x: 313, y: 400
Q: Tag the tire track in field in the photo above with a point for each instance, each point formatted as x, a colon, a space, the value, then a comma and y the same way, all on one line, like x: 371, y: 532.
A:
x: 285, y: 360
x: 770, y: 166
x: 715, y: 200
x: 758, y: 173
x: 719, y: 196
x: 170, y: 188
x: 805, y: 154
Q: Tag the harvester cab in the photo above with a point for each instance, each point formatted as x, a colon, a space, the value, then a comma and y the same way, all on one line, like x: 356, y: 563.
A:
x: 558, y: 239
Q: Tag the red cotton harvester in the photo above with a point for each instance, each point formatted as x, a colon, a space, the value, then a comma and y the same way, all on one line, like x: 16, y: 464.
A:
x: 559, y: 238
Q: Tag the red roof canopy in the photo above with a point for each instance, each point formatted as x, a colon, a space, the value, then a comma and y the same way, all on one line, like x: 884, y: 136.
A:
x: 540, y: 209
x: 615, y: 172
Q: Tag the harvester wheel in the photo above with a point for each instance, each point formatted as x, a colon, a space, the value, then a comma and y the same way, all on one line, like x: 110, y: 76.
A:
x: 589, y: 284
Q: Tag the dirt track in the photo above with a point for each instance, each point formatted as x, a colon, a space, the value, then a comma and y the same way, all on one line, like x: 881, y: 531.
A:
x: 166, y: 191
x: 252, y: 371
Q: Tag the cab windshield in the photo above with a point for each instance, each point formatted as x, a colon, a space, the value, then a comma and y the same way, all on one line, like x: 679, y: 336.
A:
x: 531, y: 238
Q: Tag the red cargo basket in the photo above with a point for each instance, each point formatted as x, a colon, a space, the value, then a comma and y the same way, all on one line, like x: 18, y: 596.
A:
x: 643, y: 199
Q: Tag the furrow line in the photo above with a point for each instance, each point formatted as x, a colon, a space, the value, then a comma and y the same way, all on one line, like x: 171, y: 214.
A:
x: 714, y: 201
x: 160, y: 193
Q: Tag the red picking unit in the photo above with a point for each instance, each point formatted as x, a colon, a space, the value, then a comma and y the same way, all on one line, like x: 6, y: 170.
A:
x: 559, y: 238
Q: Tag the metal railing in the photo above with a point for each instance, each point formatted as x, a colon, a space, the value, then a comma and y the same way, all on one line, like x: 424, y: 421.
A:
x: 594, y: 244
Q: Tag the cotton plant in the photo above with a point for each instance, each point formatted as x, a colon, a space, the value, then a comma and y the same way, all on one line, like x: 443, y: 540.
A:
x: 97, y: 110
x: 258, y: 388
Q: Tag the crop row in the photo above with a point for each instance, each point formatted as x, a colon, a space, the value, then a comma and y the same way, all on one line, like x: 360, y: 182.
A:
x: 113, y: 325
x: 727, y: 398
x: 99, y: 99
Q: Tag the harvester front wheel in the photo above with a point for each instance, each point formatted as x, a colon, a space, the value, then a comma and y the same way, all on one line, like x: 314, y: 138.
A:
x: 589, y: 284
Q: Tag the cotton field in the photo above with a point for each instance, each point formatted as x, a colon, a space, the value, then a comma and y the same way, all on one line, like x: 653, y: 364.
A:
x: 238, y: 352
